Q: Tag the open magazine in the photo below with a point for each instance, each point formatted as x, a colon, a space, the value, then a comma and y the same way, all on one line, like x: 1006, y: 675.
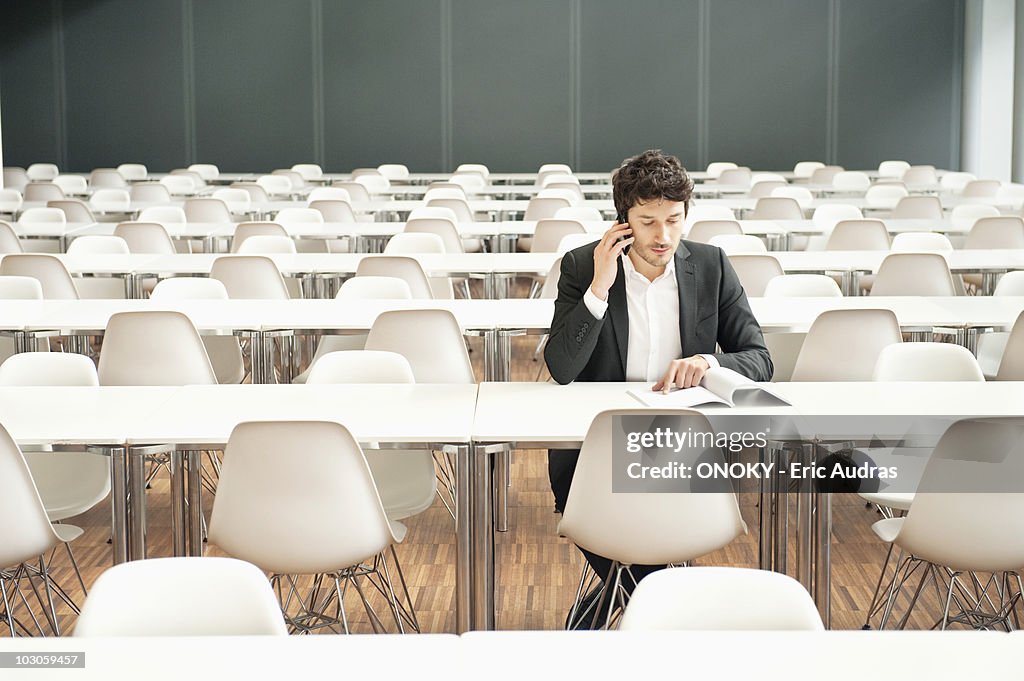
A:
x: 719, y: 386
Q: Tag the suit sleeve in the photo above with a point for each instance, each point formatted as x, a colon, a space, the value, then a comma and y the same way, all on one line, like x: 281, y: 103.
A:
x: 739, y: 334
x: 574, y: 330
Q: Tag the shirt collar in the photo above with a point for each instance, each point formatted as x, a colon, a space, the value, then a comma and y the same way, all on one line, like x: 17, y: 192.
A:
x: 630, y: 270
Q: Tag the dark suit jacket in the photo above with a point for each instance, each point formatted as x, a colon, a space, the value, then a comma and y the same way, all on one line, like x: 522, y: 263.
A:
x: 713, y: 309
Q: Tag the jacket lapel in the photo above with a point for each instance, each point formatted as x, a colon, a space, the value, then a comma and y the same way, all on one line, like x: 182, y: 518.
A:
x: 687, y: 281
x: 619, y: 315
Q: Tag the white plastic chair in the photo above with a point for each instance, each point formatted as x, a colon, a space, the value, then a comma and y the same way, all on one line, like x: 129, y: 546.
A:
x: 375, y: 184
x: 163, y: 214
x: 920, y: 176
x: 921, y: 242
x: 410, y: 242
x: 296, y: 179
x: 1004, y: 231
x: 329, y: 194
x: 825, y: 174
x: 42, y: 172
x: 965, y: 215
x: 184, y: 597
x: 98, y: 244
x: 42, y: 191
x: 699, y: 212
x: 581, y: 213
x: 719, y: 599
x: 884, y: 196
x: 705, y: 230
x: 207, y: 210
x: 15, y: 287
x: 913, y: 274
x: 247, y: 230
x: 804, y: 169
x: 777, y: 208
x: 552, y: 192
x: 340, y: 529
x: 539, y: 208
x: 207, y: 171
x: 153, y: 347
x: 10, y: 201
x: 74, y: 210
x: 641, y: 528
x: 461, y: 208
x: 573, y: 241
x: 111, y: 200
x: 237, y: 200
x: 266, y: 244
x: 255, y: 191
x: 444, y: 228
x: 394, y: 172
x: 856, y: 337
x: 9, y: 242
x: 927, y: 362
x: 109, y: 178
x: 473, y: 168
x: 179, y: 185
x: 550, y: 231
x: 275, y: 186
x: 149, y: 192
x: 918, y: 207
x: 357, y: 191
x: 755, y: 271
x: 858, y: 235
x: 72, y: 184
x: 802, y: 285
x: 851, y: 181
x: 39, y: 215
x: 892, y: 168
x: 454, y: 192
x: 802, y: 195
x: 308, y: 171
x: 334, y: 210
x: 53, y: 276
x: 1011, y: 366
x: 738, y: 177
x: 399, y: 266
x: 250, y: 277
x: 431, y: 340
x: 735, y: 244
x: 15, y: 178
x: 714, y: 170
x: 759, y: 190
x: 981, y: 189
x: 133, y: 172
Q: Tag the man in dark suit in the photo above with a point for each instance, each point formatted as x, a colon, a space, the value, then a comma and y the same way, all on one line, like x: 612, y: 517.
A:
x: 642, y: 304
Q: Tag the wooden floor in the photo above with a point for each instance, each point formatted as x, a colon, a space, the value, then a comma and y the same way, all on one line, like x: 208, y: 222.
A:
x: 537, y: 572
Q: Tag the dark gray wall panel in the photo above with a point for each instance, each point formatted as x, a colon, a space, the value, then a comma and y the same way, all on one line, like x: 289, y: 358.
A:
x: 28, y: 85
x: 125, y: 94
x: 253, y: 83
x: 896, y: 81
x: 639, y: 80
x: 510, y: 84
x: 768, y: 83
x: 382, y: 84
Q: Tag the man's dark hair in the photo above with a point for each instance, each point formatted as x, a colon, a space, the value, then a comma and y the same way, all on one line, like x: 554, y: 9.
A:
x: 650, y: 176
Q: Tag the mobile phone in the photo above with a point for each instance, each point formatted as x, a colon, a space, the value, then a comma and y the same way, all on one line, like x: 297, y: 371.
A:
x: 622, y: 218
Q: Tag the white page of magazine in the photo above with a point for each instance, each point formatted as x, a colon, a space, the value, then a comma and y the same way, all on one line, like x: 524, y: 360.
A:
x: 719, y: 386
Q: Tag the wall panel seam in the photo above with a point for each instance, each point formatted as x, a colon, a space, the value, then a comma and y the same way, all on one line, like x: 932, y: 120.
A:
x: 60, y: 86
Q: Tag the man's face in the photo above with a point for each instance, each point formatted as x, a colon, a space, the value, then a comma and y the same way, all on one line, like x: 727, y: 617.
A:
x: 657, y: 227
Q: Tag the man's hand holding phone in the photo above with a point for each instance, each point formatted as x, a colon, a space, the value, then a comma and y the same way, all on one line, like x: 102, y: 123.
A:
x: 606, y: 256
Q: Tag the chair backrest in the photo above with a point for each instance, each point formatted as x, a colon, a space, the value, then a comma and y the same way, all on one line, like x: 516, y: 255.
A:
x: 734, y: 244
x: 163, y: 214
x: 955, y: 181
x: 36, y: 215
x: 71, y: 184
x: 1011, y: 367
x: 255, y: 190
x: 698, y: 212
x: 296, y: 179
x: 581, y: 213
x: 329, y: 194
x: 133, y: 172
x: 802, y: 285
x: 704, y: 230
x: 334, y: 210
x: 570, y: 242
x: 308, y: 171
x: 375, y: 184
x: 545, y: 207
x: 361, y: 366
x: 968, y: 511
x: 107, y: 177
x: 918, y: 207
x: 965, y: 215
x: 98, y: 244
x: 207, y: 210
x: 1005, y: 231
x: 473, y: 168
x: 825, y: 174
x: 550, y: 232
x: 15, y: 178
x: 715, y: 169
x: 759, y: 190
x: 111, y: 200
x: 920, y: 175
x: 236, y: 199
x: 982, y: 188
x: 673, y: 525
x: 1010, y: 284
x: 755, y: 271
x: 153, y: 347
x: 357, y: 191
x: 444, y: 228
x: 267, y: 467
x: 550, y: 289
x: 149, y: 192
x: 843, y: 345
x: 927, y: 362
x: 851, y: 180
x: 48, y: 368
x: 275, y: 185
x: 431, y: 340
x: 552, y: 191
x: 739, y: 177
x: 267, y: 244
x: 433, y: 212
x: 245, y: 230
x: 53, y: 276
x: 918, y: 242
x: 15, y: 287
x: 9, y: 242
x: 74, y: 210
x: 399, y: 266
x: 559, y: 178
x: 468, y: 180
x: 777, y: 208
x: 42, y: 172
x: 892, y: 168
x: 452, y: 192
x: 459, y: 206
x: 827, y: 216
x: 804, y: 169
x: 913, y: 274
x: 394, y: 171
x: 26, y: 532
x: 720, y: 599
x: 858, y: 235
x: 802, y: 195
x: 189, y: 288
x: 207, y: 171
x: 304, y: 216
x: 250, y: 276
x: 415, y: 242
x: 10, y: 200
x: 373, y: 287
x: 43, y: 191
x: 179, y: 185
x: 195, y: 597
x: 885, y: 195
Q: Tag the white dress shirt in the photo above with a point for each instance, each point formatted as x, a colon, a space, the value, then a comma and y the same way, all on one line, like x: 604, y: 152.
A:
x: 653, y: 311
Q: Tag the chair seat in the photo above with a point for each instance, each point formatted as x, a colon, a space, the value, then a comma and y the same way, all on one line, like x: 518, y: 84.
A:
x: 68, y: 533
x: 898, y: 501
x: 887, y: 529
